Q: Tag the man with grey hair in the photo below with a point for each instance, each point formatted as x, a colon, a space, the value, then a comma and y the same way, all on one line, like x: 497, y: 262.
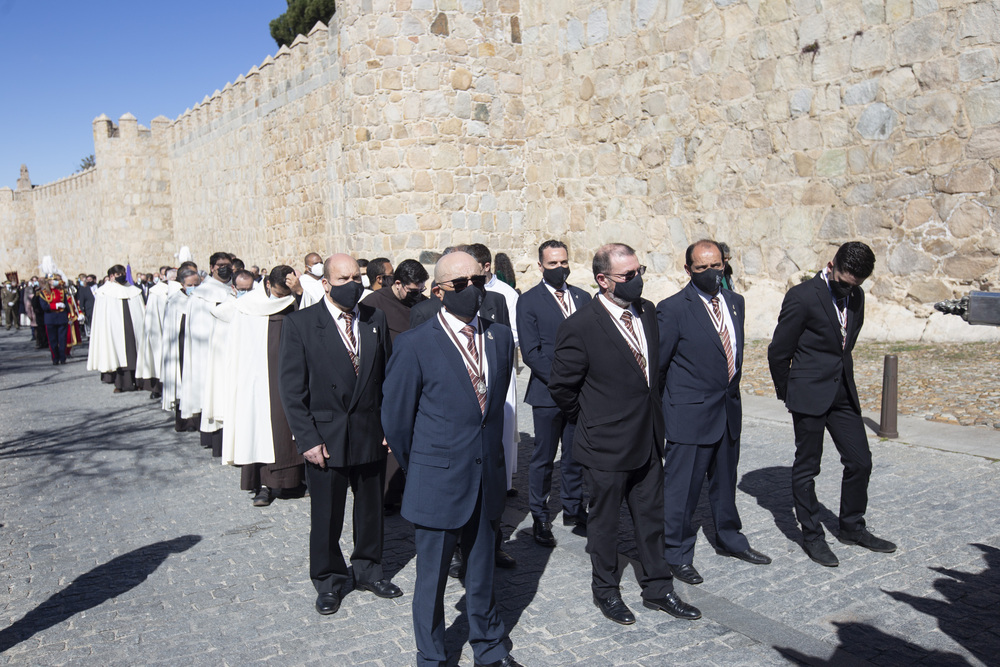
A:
x: 605, y: 377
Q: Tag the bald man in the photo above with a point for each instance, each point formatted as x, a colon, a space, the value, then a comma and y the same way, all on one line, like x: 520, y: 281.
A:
x: 310, y: 283
x: 443, y: 416
x: 332, y: 366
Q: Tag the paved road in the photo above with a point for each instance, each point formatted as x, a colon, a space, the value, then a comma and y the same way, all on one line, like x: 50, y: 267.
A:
x: 122, y: 543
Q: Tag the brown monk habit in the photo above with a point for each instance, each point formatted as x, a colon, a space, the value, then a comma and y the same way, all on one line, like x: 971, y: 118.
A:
x: 287, y: 471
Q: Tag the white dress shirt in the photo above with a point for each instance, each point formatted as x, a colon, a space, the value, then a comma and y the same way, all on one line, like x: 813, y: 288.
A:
x: 727, y: 316
x: 640, y: 333
x: 456, y: 325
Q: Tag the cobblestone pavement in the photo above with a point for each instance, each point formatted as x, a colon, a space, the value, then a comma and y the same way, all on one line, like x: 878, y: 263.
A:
x: 954, y: 383
x: 121, y: 543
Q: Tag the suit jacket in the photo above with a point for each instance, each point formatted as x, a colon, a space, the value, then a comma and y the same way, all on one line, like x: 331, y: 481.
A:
x: 446, y: 445
x: 805, y: 356
x: 494, y: 309
x: 597, y: 382
x: 538, y: 320
x: 699, y: 400
x: 85, y: 299
x: 324, y: 401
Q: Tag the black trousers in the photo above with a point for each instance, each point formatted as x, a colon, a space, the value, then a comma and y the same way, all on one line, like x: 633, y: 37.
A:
x: 642, y: 489
x: 328, y: 499
x: 684, y: 470
x: 551, y: 425
x: 848, y: 433
x: 434, y: 549
x: 212, y: 440
x: 57, y: 341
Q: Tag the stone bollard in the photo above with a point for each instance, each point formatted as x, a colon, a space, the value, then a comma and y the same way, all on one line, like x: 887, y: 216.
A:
x: 890, y: 394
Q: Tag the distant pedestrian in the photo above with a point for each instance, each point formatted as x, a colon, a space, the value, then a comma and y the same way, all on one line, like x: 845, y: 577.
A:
x: 727, y: 271
x: 8, y: 296
x: 504, y: 270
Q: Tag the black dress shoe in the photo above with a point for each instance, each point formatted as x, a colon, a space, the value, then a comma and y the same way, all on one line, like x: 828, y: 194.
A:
x: 819, y: 551
x: 263, y: 498
x: 383, y: 588
x: 511, y: 493
x: 615, y: 609
x: 542, y: 530
x: 675, y: 606
x: 751, y: 556
x: 578, y: 519
x: 327, y: 603
x: 863, y: 538
x: 457, y: 568
x: 686, y: 573
x: 505, y: 661
x: 504, y: 560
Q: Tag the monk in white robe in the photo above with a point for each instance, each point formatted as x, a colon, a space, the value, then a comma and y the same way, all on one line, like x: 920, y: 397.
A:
x: 172, y: 349
x: 116, y: 331
x: 200, y: 324
x: 309, y: 282
x: 147, y: 370
x: 256, y: 434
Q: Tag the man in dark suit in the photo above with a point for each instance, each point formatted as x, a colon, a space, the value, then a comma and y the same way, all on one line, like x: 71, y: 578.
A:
x: 813, y: 372
x: 332, y: 367
x: 540, y: 311
x: 443, y: 418
x: 605, y: 377
x: 701, y: 358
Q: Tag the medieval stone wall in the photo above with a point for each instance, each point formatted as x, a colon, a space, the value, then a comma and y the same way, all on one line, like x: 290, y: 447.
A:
x: 783, y: 127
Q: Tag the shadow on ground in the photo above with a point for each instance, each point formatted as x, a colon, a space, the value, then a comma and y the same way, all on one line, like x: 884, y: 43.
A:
x: 968, y: 615
x: 87, y: 591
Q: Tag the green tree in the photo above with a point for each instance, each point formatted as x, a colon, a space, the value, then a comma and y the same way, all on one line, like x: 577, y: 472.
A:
x: 300, y: 18
x: 87, y: 163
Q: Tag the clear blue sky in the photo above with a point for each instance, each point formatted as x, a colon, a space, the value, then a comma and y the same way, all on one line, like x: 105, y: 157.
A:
x: 69, y: 61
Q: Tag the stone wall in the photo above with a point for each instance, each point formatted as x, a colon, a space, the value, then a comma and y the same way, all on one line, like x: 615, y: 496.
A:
x: 782, y: 127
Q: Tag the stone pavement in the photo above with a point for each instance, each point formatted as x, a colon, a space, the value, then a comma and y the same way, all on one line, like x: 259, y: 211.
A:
x: 122, y: 544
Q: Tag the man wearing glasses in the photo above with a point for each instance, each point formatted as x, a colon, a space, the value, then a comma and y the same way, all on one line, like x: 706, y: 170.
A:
x: 443, y: 416
x: 605, y: 377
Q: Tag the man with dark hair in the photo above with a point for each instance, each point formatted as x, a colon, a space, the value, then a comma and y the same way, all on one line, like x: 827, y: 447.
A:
x: 379, y: 272
x: 332, y: 372
x: 397, y: 298
x: 256, y: 436
x: 701, y: 361
x: 813, y: 372
x: 116, y: 331
x: 199, y: 347
x: 605, y: 376
x: 540, y: 312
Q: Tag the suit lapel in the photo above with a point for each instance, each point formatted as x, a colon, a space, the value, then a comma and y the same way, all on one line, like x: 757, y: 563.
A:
x: 455, y: 361
x: 331, y: 340
x: 550, y: 301
x: 617, y: 341
x: 490, y: 347
x: 737, y: 319
x: 648, y: 318
x: 826, y: 301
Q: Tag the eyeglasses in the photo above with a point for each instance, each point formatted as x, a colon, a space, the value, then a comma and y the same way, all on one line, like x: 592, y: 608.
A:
x: 459, y: 284
x: 630, y: 275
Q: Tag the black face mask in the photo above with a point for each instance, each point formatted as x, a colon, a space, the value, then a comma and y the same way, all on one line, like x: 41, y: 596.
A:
x: 346, y: 295
x: 121, y: 280
x: 630, y: 290
x: 556, y: 276
x: 465, y: 304
x: 840, y: 289
x: 708, y: 281
x: 412, y: 298
x: 224, y: 273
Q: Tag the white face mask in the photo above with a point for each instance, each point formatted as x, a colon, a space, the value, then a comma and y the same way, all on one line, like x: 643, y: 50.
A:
x: 241, y: 292
x: 189, y: 290
x: 316, y: 270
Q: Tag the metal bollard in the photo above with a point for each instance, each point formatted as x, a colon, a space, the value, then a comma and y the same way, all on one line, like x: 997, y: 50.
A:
x: 890, y: 394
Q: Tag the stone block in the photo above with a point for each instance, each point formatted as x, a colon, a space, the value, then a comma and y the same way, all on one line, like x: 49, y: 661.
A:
x: 461, y: 78
x: 597, y: 26
x: 391, y: 80
x: 680, y: 37
x: 812, y: 29
x: 919, y: 212
x: 870, y: 223
x: 978, y: 64
x: 835, y: 226
x: 929, y: 290
x: 930, y: 115
x: 970, y: 266
x: 870, y: 50
x: 803, y: 134
x: 897, y: 11
x: 979, y: 23
x: 907, y: 186
x: 832, y: 163
x: 861, y: 93
x: 899, y: 84
x: 801, y: 102
x: 968, y: 219
x: 428, y: 77
x: 938, y: 247
x: 804, y: 164
x: 877, y: 122
x: 940, y: 73
x: 738, y: 21
x: 984, y: 143
x: 819, y: 194
x: 982, y: 105
x: 440, y: 25
x: 919, y: 40
x: 977, y: 178
x: 907, y: 259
